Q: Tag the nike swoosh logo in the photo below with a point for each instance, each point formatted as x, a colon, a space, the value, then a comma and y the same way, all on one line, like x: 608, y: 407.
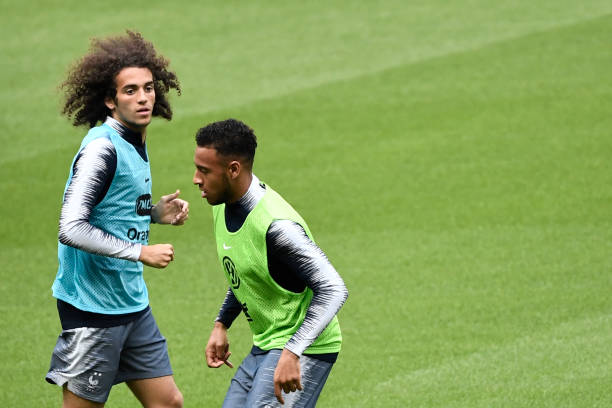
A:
x: 226, y: 247
x: 147, y: 180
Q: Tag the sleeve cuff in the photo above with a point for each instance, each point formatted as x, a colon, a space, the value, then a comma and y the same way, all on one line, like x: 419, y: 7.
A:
x: 295, y: 349
x: 135, y: 252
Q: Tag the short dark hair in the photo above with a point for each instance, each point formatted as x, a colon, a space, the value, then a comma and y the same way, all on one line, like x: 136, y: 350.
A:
x: 229, y: 137
x: 92, y: 78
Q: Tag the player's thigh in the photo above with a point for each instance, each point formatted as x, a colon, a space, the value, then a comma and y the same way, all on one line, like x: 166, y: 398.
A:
x: 145, y: 352
x: 241, y: 383
x: 262, y: 391
x: 157, y: 392
x: 313, y: 374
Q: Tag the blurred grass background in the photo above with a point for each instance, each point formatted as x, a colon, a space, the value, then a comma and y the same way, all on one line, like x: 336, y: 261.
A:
x: 452, y: 159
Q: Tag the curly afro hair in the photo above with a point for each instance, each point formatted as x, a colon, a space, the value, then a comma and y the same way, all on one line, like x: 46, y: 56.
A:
x: 92, y: 78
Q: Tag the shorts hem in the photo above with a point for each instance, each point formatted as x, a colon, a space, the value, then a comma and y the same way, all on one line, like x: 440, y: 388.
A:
x: 143, y: 376
x: 100, y: 400
x: 62, y: 381
x: 56, y: 379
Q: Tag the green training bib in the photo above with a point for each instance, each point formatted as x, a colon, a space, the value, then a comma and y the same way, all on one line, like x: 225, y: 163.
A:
x: 274, y: 313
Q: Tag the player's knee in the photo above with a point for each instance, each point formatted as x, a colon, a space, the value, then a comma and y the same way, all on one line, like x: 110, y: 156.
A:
x: 176, y: 400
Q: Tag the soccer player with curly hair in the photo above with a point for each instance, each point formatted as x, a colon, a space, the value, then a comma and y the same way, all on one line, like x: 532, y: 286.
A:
x: 109, y: 334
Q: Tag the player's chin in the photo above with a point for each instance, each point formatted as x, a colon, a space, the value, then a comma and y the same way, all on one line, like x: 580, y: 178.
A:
x: 139, y: 123
x: 143, y: 119
x: 211, y: 200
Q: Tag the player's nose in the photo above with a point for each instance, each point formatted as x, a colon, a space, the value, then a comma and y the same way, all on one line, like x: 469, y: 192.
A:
x: 142, y: 96
x: 196, y: 179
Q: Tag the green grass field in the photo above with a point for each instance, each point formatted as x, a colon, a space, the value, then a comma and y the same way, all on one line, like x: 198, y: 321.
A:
x: 453, y: 159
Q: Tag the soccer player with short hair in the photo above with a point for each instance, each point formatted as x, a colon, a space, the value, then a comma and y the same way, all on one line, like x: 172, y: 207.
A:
x: 108, y: 333
x: 278, y: 277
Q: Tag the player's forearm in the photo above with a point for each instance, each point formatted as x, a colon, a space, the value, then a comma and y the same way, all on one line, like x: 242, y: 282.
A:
x: 301, y: 257
x: 328, y: 297
x: 230, y: 309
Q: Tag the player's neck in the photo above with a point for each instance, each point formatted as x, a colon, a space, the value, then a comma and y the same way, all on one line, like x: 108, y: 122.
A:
x: 141, y: 131
x: 237, y: 212
x: 241, y: 187
x: 127, y: 132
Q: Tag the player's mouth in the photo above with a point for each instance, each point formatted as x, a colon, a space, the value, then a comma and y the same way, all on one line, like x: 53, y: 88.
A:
x: 143, y: 111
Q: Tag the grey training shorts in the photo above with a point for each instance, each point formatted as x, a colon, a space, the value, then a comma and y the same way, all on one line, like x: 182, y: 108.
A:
x: 253, y: 383
x: 91, y: 360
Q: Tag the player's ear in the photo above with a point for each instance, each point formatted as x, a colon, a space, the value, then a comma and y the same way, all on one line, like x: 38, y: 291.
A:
x: 110, y: 103
x: 233, y: 168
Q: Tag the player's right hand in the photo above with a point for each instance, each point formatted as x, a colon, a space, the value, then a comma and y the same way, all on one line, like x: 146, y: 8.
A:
x: 156, y: 256
x: 217, y: 348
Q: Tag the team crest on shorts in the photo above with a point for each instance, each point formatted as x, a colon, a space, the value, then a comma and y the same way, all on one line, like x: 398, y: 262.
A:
x: 94, y: 380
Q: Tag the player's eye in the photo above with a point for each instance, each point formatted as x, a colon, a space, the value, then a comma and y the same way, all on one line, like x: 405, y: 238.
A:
x: 149, y: 88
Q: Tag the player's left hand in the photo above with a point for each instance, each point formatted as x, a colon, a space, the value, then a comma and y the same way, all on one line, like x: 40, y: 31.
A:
x: 170, y: 210
x: 287, y: 376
